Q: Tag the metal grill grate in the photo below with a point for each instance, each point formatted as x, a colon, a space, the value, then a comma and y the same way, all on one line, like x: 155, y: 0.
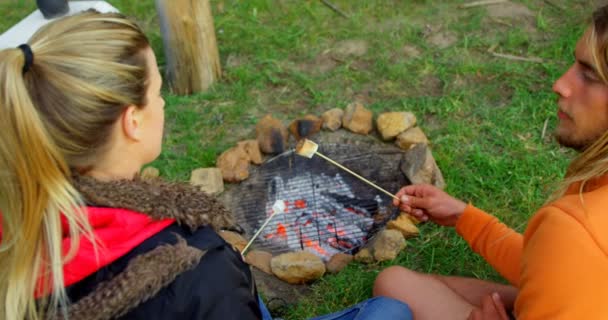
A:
x: 326, y: 209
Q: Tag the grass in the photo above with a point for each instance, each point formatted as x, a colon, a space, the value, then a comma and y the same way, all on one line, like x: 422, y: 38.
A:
x: 485, y: 115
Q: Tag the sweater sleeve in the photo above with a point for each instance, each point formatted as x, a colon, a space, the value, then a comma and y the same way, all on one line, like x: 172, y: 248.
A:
x: 498, y: 244
x: 563, y: 270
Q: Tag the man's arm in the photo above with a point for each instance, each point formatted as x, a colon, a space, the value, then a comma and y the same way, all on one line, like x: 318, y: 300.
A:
x: 498, y: 244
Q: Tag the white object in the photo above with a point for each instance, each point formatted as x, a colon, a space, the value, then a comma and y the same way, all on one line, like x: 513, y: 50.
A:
x: 24, y: 29
x: 306, y: 148
x: 277, y: 207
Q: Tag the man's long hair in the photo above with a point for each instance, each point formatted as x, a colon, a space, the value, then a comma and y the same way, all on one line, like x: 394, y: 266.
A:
x: 593, y: 161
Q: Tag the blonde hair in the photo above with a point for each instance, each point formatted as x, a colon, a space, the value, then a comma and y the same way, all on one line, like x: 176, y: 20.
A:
x: 55, y: 117
x: 593, y: 161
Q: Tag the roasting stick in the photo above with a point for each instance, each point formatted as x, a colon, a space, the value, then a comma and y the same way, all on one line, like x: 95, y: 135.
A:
x: 307, y: 148
x: 277, y: 207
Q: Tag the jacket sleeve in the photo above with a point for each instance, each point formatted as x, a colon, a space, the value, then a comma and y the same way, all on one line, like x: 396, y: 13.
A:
x: 219, y: 287
x: 499, y: 245
x: 563, y: 270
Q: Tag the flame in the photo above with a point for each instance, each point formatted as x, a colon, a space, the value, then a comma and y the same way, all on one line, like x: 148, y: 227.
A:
x: 313, y: 245
x: 281, y: 231
x: 300, y: 204
x: 333, y: 230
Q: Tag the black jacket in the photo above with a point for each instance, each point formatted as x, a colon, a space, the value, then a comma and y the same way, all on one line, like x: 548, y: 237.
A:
x: 219, y: 287
x: 185, y: 271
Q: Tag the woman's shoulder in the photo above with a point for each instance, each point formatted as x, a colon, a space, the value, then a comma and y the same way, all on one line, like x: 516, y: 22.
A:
x: 190, y: 271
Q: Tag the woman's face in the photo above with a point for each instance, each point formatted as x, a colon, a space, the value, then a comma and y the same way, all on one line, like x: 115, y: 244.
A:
x: 153, y: 111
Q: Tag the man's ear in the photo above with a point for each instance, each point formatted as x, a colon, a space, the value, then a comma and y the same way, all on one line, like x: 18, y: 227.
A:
x: 131, y: 123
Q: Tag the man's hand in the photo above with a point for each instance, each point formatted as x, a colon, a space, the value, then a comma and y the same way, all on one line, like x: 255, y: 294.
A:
x: 491, y: 309
x: 426, y: 202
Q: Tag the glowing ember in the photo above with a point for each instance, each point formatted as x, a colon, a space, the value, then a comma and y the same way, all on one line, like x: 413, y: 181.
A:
x: 327, y: 221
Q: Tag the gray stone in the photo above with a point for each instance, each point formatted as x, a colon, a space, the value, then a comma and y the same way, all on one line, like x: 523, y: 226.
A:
x: 209, y: 180
x: 235, y: 239
x: 391, y: 124
x: 297, y: 267
x: 271, y: 135
x: 364, y: 256
x: 387, y: 244
x: 305, y: 127
x: 234, y: 164
x: 404, y: 224
x: 259, y: 259
x: 357, y: 118
x: 419, y: 166
x: 338, y: 262
x: 279, y: 294
x: 332, y: 119
x: 252, y: 148
x: 411, y: 137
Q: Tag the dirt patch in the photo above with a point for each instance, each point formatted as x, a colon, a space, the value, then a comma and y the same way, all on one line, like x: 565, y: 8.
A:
x: 234, y: 61
x: 511, y: 15
x: 431, y: 122
x: 284, y: 99
x: 489, y: 88
x: 510, y: 10
x: 442, y: 39
x: 350, y: 48
x: 405, y: 53
x: 389, y: 24
x: 430, y: 86
x: 410, y: 52
x: 321, y: 64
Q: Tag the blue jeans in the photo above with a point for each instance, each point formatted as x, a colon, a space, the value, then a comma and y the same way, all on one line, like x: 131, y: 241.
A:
x: 374, y: 308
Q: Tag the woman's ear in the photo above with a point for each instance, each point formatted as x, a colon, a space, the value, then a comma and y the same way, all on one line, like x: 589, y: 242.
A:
x: 131, y: 123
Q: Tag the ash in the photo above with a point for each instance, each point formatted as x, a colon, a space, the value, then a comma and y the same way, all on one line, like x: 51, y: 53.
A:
x: 321, y: 215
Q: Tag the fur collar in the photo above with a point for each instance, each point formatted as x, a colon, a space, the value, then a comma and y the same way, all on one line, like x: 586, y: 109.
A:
x: 146, y: 274
x: 143, y: 278
x: 158, y: 199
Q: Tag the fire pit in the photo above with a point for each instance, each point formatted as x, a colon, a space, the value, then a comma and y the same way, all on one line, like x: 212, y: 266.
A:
x: 327, y: 211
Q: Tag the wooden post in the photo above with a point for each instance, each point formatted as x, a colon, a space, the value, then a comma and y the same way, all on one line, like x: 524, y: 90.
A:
x: 191, y: 54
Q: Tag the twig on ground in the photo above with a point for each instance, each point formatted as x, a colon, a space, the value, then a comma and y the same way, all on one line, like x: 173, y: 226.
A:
x: 481, y: 3
x: 492, y: 48
x: 542, y: 136
x: 334, y: 8
x: 517, y: 58
x: 513, y: 57
x: 500, y: 21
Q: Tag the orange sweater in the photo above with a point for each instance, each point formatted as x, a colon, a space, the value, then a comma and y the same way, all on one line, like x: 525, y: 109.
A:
x: 560, y: 263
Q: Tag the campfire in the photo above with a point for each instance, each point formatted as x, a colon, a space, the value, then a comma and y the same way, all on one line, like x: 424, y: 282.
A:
x: 326, y: 210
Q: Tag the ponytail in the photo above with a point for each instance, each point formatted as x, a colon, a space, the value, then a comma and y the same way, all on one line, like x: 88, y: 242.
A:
x: 56, y: 115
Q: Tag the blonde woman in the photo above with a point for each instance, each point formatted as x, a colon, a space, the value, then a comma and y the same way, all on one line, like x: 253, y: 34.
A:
x: 557, y: 268
x: 81, y: 237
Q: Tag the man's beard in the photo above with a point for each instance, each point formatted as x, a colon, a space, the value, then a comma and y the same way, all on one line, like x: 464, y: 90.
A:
x: 577, y: 144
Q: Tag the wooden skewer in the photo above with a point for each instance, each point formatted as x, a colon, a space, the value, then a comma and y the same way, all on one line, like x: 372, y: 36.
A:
x: 275, y: 209
x: 356, y: 175
x: 308, y: 149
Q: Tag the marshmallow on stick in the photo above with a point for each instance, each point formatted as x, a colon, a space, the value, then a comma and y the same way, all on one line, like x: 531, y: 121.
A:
x: 308, y: 149
x: 277, y: 207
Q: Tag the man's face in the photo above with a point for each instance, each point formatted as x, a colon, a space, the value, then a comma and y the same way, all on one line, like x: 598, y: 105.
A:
x: 582, y: 101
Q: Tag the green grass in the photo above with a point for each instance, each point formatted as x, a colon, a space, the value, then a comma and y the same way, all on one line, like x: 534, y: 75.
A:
x: 484, y: 115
